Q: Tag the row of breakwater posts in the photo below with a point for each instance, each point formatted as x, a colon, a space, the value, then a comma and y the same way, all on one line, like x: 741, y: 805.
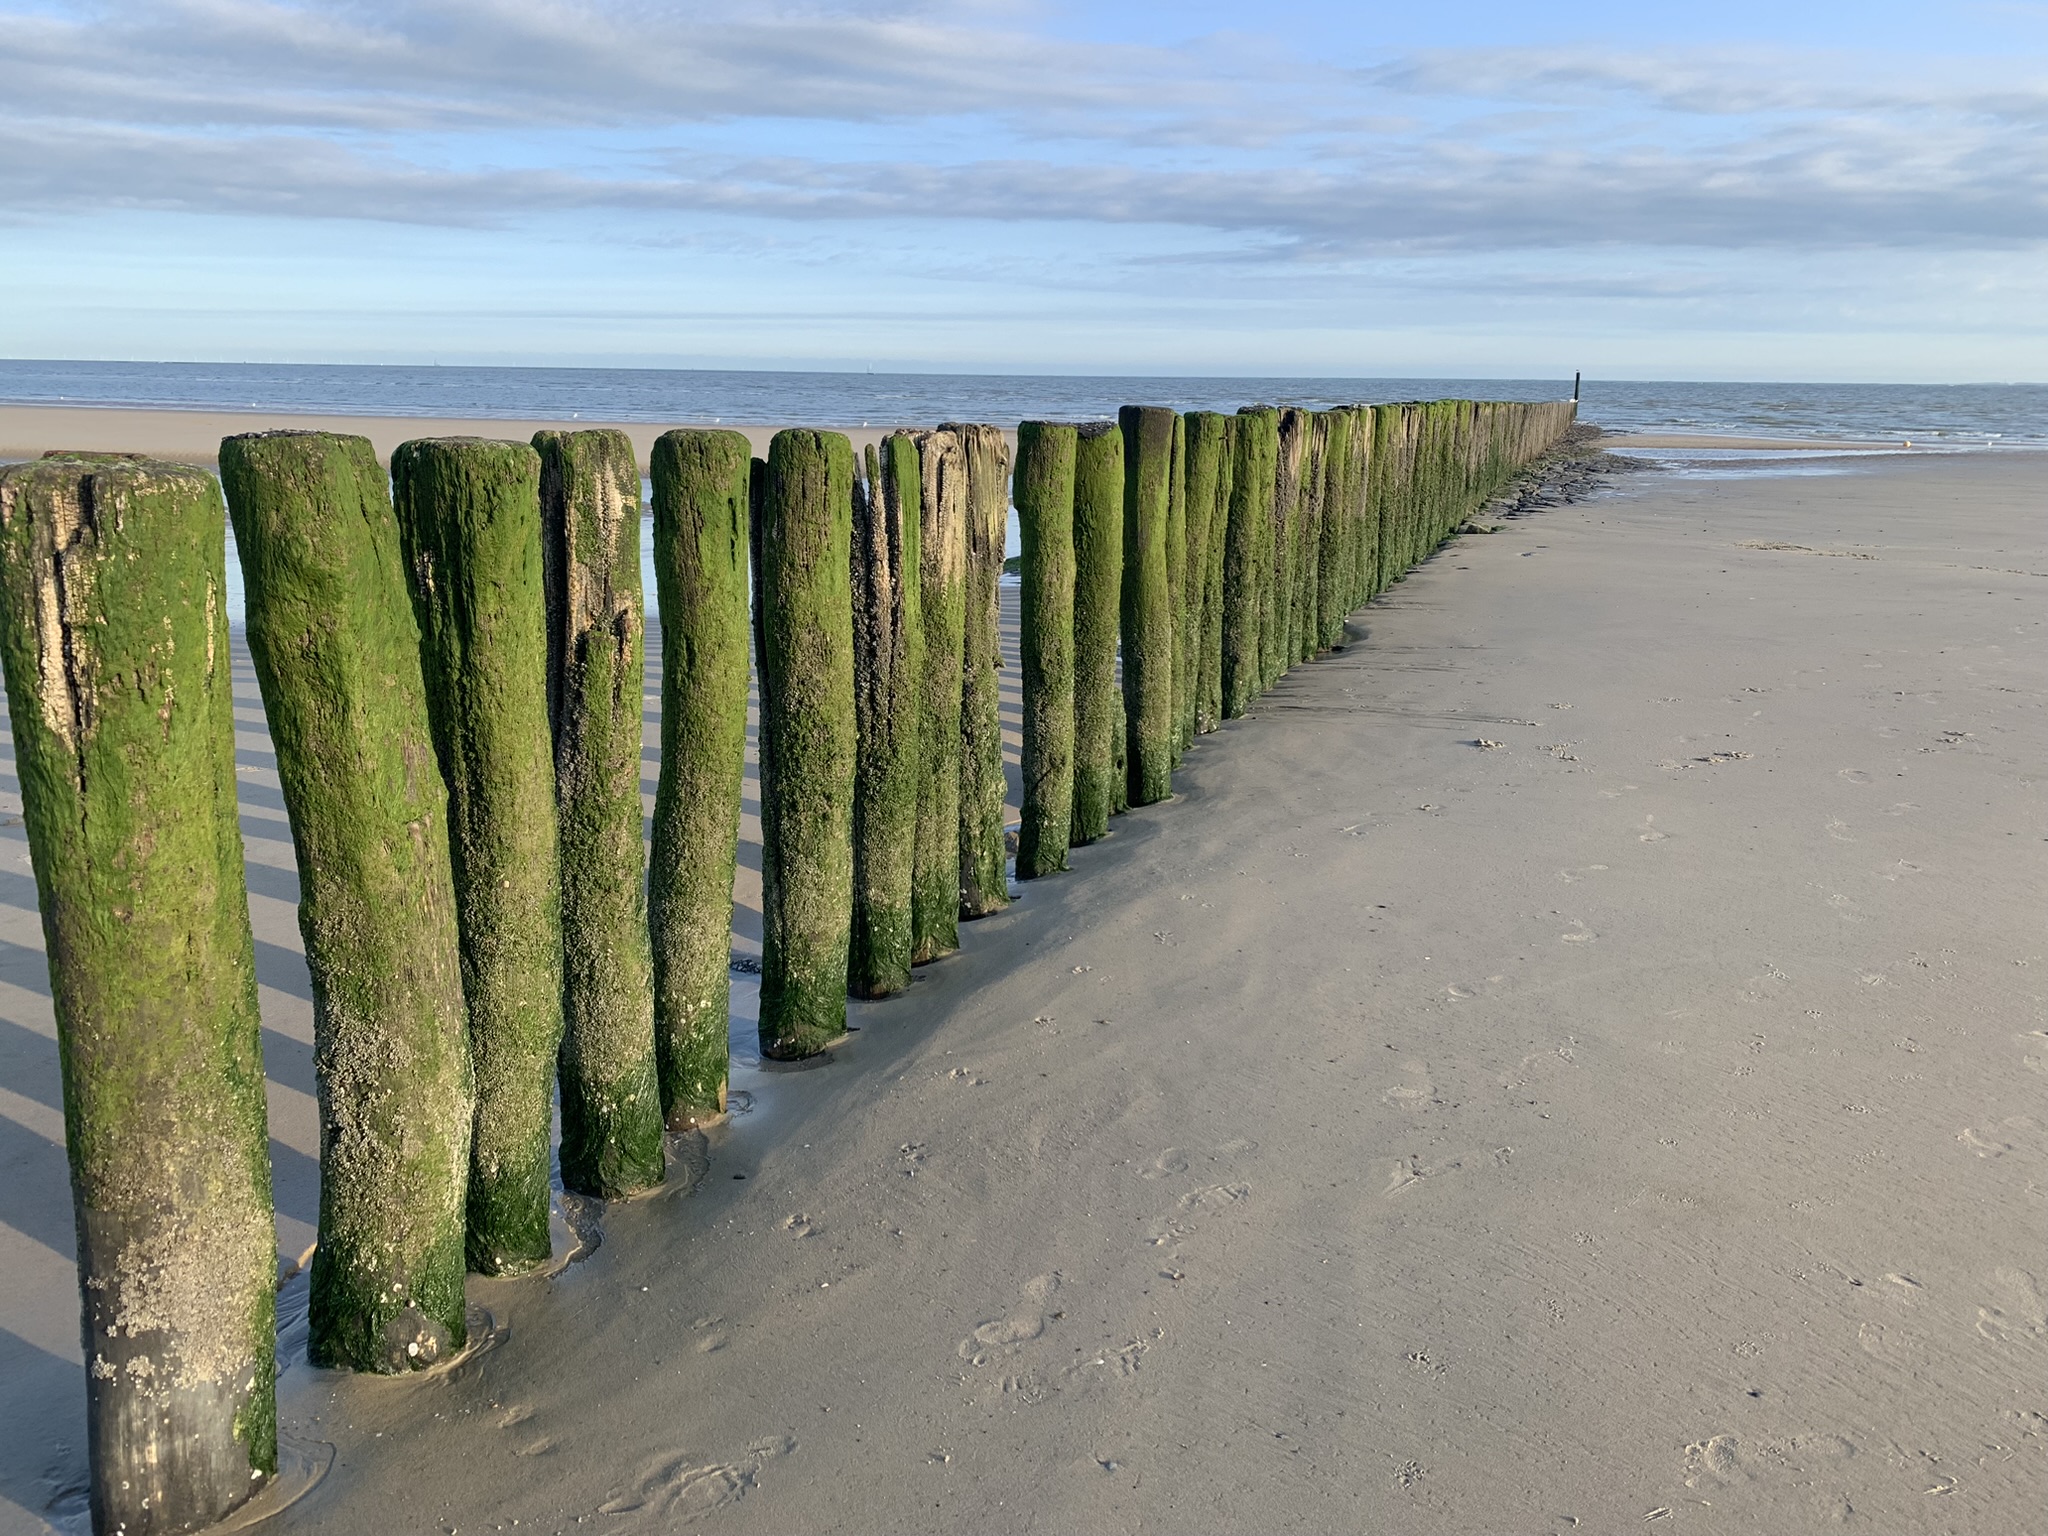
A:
x: 450, y: 658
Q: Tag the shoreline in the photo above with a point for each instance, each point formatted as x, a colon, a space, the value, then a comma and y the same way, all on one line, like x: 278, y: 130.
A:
x: 192, y: 436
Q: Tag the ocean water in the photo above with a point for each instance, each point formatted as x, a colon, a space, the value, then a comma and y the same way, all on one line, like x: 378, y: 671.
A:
x: 1953, y: 417
x: 1967, y: 415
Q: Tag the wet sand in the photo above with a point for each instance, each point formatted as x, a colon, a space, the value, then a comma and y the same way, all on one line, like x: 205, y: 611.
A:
x: 1633, y: 1121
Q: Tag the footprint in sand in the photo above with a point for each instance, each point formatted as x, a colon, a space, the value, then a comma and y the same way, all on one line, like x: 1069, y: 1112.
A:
x: 2023, y: 1320
x: 677, y: 1490
x: 1410, y: 1171
x: 1417, y: 1093
x: 1995, y: 1141
x: 1650, y: 834
x: 1716, y: 1460
x: 1167, y: 1164
x: 1216, y: 1197
x: 1007, y: 1334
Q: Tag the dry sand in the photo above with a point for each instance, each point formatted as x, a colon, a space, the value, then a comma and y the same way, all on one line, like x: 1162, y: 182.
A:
x: 1634, y: 1124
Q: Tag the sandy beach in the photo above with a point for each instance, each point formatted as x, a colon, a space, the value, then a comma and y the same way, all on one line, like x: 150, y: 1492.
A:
x: 1571, y: 1061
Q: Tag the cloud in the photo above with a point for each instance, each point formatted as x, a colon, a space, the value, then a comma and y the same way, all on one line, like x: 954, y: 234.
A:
x: 488, y: 112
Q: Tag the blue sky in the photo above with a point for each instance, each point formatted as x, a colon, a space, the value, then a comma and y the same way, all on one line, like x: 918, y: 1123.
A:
x: 1741, y: 190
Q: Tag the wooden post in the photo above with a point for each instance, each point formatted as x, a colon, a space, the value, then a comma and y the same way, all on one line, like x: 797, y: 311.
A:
x: 888, y: 667
x: 1333, y: 556
x: 337, y: 650
x: 803, y: 589
x: 596, y: 645
x: 1147, y: 601
x: 1045, y: 518
x: 1247, y: 543
x: 114, y: 635
x: 1276, y: 576
x: 1098, y: 585
x: 1184, y: 596
x: 942, y: 572
x: 469, y: 524
x: 984, y: 882
x: 1207, y: 459
x: 702, y: 500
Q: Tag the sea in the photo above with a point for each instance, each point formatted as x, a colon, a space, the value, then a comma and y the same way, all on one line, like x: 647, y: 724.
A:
x: 1930, y: 416
x: 1933, y: 418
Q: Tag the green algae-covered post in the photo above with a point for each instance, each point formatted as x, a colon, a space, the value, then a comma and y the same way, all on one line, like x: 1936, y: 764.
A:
x: 803, y: 588
x: 1276, y: 636
x: 1207, y: 476
x: 1365, y: 530
x: 1308, y: 538
x: 596, y: 641
x: 942, y: 572
x: 1332, y: 569
x: 1045, y: 522
x: 115, y: 643
x: 702, y: 497
x: 336, y: 646
x: 469, y: 524
x: 888, y: 667
x: 1147, y: 602
x: 1178, y: 589
x: 1247, y: 538
x: 1098, y: 589
x: 984, y: 884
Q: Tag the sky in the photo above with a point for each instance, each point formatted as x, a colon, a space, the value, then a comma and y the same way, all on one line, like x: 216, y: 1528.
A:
x: 1813, y: 191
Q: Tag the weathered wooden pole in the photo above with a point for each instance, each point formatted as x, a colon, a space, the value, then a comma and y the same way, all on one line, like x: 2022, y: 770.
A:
x: 942, y: 573
x: 1098, y: 587
x: 984, y: 883
x: 888, y: 669
x: 1147, y: 601
x: 1333, y: 556
x: 1207, y: 476
x: 803, y: 588
x: 1365, y: 528
x: 469, y: 524
x: 1308, y: 539
x: 336, y: 645
x: 596, y: 649
x: 702, y: 500
x: 115, y: 645
x: 1276, y: 635
x: 1045, y: 520
x: 1184, y: 596
x: 1248, y: 536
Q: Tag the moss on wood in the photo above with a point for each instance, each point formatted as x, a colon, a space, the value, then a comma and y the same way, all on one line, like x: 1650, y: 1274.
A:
x: 942, y: 549
x: 702, y: 495
x: 888, y: 669
x: 1248, y: 535
x: 1098, y: 587
x: 1045, y: 519
x: 115, y: 645
x: 596, y: 650
x: 1149, y: 434
x: 984, y: 883
x: 1206, y: 456
x: 803, y: 588
x: 336, y: 644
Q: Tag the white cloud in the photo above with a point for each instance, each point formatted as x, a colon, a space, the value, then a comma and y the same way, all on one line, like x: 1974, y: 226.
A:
x: 482, y: 112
